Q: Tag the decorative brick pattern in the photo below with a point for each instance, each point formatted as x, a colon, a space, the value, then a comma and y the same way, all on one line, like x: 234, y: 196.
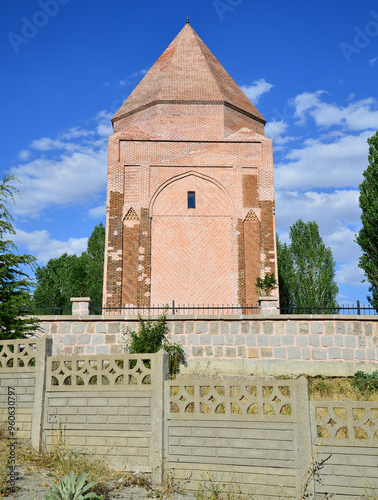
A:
x: 187, y: 127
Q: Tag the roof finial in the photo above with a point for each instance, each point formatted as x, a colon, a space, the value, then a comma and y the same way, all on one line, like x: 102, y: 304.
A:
x: 187, y: 19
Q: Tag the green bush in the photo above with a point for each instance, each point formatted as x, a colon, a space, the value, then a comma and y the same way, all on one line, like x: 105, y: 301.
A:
x: 365, y: 383
x: 69, y: 489
x: 153, y: 336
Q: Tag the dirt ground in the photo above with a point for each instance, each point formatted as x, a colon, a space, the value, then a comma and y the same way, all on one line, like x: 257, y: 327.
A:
x: 32, y: 484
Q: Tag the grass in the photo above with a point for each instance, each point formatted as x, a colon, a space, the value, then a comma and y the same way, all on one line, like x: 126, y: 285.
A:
x: 338, y: 389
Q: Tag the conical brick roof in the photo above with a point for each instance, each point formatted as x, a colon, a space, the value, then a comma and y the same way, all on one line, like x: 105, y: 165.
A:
x: 187, y: 72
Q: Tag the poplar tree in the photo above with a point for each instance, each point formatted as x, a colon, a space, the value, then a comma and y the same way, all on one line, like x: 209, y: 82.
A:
x: 15, y: 283
x: 367, y: 238
x: 306, y: 272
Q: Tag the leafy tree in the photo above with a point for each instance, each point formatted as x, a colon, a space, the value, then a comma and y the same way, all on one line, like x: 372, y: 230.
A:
x: 72, y: 276
x: 15, y: 284
x: 367, y: 238
x: 306, y: 271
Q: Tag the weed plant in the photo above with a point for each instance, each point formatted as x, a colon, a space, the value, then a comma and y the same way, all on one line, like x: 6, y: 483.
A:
x: 153, y: 336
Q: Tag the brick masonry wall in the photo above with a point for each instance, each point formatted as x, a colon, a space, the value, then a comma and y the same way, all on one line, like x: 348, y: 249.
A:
x: 241, y: 344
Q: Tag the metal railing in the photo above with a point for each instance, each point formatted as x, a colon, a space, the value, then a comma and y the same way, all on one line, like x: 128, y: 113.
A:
x: 174, y: 309
x: 339, y: 309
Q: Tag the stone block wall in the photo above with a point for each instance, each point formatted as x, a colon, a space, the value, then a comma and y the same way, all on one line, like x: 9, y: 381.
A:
x: 264, y: 345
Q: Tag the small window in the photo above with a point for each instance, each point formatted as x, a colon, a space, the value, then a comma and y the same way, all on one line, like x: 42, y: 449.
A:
x: 191, y: 199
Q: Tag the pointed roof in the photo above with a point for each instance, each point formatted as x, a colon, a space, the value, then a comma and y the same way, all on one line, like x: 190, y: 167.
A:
x: 187, y: 72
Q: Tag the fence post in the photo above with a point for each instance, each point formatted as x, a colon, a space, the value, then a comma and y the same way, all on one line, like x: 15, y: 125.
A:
x: 304, y: 440
x: 43, y: 350
x: 160, y: 373
x: 358, y: 307
x: 81, y: 306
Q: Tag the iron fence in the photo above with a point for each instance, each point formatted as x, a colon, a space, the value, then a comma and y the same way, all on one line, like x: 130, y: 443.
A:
x: 202, y: 309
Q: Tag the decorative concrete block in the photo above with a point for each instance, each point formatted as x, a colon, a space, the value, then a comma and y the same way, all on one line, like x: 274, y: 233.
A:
x: 54, y: 328
x: 301, y: 340
x: 79, y: 349
x: 110, y: 339
x: 78, y: 327
x: 372, y: 342
x: 316, y: 327
x: 89, y: 349
x: 334, y: 353
x: 100, y: 327
x: 202, y: 327
x: 280, y: 328
x: 224, y: 327
x: 214, y: 327
x: 294, y: 352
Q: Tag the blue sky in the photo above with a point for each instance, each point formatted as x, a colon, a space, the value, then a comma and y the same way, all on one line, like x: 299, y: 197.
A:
x: 311, y: 69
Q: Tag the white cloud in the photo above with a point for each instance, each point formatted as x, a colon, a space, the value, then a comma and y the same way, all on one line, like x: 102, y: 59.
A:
x: 330, y: 210
x: 358, y: 115
x: 47, y: 144
x: 122, y: 83
x: 276, y: 130
x: 350, y: 274
x: 71, y: 179
x: 24, y: 154
x: 98, y: 212
x: 373, y: 61
x: 41, y: 245
x: 320, y: 163
x: 75, y: 132
x: 256, y: 90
